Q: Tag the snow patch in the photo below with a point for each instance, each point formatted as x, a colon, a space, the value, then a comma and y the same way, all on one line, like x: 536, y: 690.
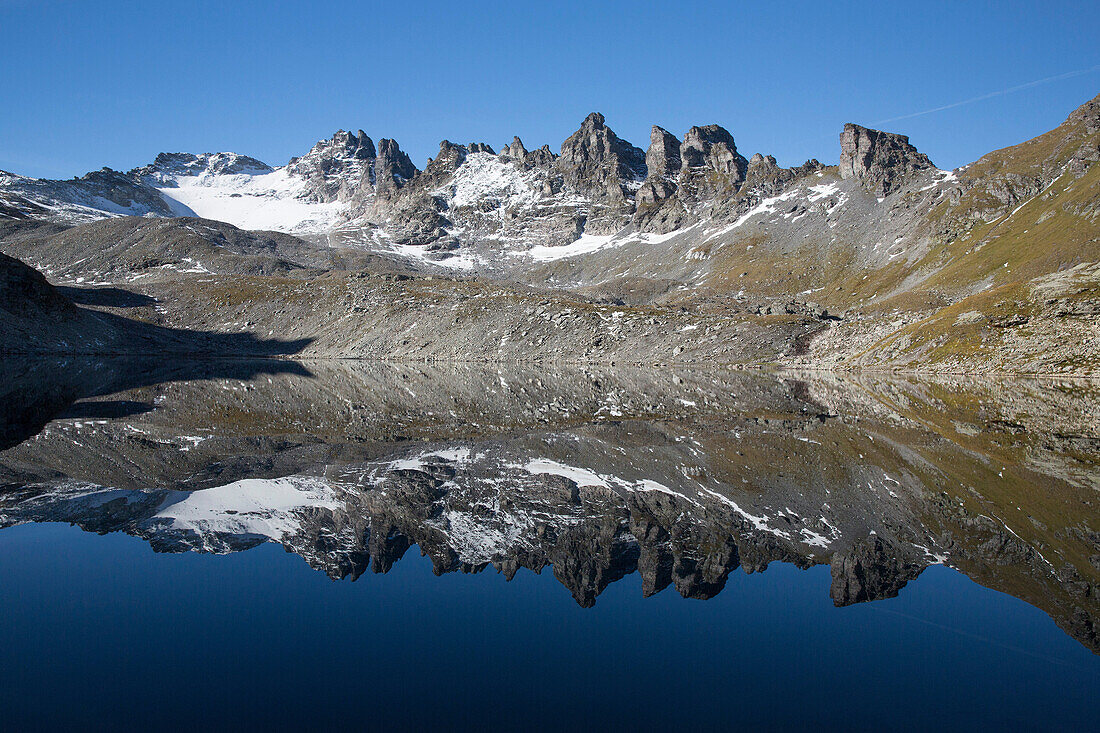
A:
x: 259, y: 507
x: 274, y: 201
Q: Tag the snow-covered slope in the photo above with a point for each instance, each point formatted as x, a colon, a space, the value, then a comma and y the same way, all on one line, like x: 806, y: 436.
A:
x: 270, y: 509
x: 227, y: 187
x: 238, y: 190
x: 275, y: 201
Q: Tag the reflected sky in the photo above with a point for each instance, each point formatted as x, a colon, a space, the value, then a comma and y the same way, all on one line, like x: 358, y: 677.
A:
x: 549, y: 546
x: 101, y: 631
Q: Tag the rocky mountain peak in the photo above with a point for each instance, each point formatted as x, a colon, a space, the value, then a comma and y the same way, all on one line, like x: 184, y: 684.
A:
x: 393, y: 168
x: 765, y: 177
x: 342, y: 145
x: 449, y: 158
x: 757, y: 160
x: 189, y: 164
x: 761, y: 167
x: 365, y: 148
x: 336, y: 168
x: 663, y: 156
x: 594, y: 121
x: 595, y: 159
x: 881, y: 160
x: 1089, y: 113
x: 515, y: 149
x: 712, y: 147
x: 527, y: 159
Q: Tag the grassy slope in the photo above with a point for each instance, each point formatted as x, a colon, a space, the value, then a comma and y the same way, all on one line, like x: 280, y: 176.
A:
x: 1000, y: 237
x: 1054, y: 232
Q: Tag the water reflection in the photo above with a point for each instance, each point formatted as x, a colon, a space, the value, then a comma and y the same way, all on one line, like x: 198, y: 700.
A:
x: 592, y: 474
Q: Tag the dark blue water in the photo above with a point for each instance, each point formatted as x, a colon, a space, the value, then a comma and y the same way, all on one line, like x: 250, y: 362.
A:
x: 100, y: 632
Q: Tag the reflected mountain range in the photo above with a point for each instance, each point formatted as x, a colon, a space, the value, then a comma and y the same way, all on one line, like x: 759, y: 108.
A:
x: 680, y: 476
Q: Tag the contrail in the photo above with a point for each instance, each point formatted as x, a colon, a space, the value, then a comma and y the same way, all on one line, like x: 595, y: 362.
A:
x: 1010, y: 90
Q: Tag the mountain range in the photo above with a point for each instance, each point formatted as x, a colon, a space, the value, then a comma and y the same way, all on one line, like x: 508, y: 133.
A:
x: 685, y: 251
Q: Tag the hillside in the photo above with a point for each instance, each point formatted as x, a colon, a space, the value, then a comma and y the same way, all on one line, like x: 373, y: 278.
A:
x: 690, y: 250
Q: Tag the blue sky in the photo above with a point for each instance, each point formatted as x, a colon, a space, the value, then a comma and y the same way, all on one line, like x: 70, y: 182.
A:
x: 113, y: 83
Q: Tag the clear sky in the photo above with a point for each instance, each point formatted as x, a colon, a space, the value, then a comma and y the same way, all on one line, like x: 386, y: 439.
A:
x: 114, y: 82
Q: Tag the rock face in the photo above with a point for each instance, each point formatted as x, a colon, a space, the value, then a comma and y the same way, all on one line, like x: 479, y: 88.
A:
x: 595, y: 159
x: 447, y: 160
x: 764, y: 177
x: 712, y: 147
x: 1089, y: 114
x: 25, y: 292
x: 702, y: 171
x: 393, y: 168
x: 339, y: 167
x: 514, y: 150
x: 881, y: 160
x: 525, y: 159
x: 663, y: 156
x: 870, y: 570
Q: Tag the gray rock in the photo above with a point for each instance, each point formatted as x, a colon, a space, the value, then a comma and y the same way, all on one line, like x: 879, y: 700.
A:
x: 337, y: 168
x: 663, y: 156
x: 871, y: 570
x: 525, y: 159
x: 595, y: 159
x: 712, y: 147
x: 393, y: 168
x: 654, y: 190
x: 764, y: 177
x: 881, y: 160
x: 514, y: 150
x: 449, y: 158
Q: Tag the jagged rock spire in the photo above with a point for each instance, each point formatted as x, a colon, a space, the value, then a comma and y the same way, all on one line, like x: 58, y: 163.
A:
x: 393, y: 168
x: 663, y: 156
x: 515, y: 149
x: 711, y: 146
x: 595, y: 151
x: 881, y: 160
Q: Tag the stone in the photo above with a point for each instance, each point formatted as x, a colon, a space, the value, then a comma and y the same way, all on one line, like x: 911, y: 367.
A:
x: 654, y: 190
x: 393, y: 168
x: 337, y: 168
x: 527, y: 159
x: 880, y: 160
x: 712, y: 147
x: 594, y: 158
x: 663, y: 156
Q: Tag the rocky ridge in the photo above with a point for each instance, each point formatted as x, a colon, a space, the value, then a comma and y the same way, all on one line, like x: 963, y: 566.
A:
x: 883, y: 260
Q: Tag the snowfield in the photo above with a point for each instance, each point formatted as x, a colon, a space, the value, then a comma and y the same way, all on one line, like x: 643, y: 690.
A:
x: 274, y: 201
x: 255, y: 507
x: 486, y: 177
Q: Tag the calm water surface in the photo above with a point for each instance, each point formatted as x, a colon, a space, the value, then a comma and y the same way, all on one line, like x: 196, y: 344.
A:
x: 281, y: 546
